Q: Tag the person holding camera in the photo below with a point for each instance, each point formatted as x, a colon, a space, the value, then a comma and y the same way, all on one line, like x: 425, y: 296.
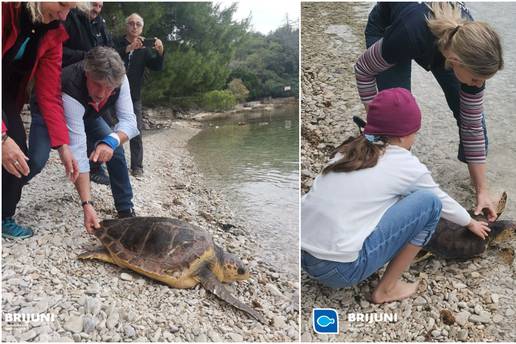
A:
x: 137, y: 53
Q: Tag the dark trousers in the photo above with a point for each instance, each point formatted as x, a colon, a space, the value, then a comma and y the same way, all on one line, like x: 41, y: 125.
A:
x: 11, y: 185
x: 400, y: 75
x: 136, y: 143
x: 96, y: 129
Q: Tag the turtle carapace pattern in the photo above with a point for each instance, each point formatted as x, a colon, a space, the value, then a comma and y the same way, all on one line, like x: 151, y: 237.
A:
x: 451, y: 241
x: 173, y: 252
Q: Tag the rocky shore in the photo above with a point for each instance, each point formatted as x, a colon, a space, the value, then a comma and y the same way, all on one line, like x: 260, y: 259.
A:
x: 457, y: 301
x: 94, y: 301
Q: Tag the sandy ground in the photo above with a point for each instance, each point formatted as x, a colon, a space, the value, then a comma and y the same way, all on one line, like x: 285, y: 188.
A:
x: 479, y: 293
x: 94, y: 301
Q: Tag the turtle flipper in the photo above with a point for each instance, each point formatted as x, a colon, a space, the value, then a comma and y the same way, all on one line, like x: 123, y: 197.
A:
x: 99, y: 254
x: 211, y: 283
x: 422, y: 255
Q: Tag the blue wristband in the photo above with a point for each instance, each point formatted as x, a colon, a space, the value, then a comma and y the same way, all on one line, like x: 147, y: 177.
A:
x: 110, y: 141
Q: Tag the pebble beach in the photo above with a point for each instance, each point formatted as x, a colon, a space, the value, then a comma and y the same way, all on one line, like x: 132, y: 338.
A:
x: 95, y: 301
x: 457, y: 301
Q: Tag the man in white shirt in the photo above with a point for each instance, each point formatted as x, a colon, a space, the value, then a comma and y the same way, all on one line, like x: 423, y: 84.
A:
x: 91, y: 87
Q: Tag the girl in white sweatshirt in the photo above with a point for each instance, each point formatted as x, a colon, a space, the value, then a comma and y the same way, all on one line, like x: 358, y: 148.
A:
x: 375, y: 203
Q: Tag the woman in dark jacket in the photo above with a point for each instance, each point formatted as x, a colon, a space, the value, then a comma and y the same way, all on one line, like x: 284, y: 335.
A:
x: 32, y: 47
x: 461, y: 54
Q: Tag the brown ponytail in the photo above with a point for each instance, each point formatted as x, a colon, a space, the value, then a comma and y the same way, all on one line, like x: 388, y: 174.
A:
x: 476, y: 44
x: 358, y: 153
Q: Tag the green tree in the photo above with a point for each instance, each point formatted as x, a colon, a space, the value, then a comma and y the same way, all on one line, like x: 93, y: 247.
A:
x: 269, y: 64
x: 237, y: 87
x: 200, y: 40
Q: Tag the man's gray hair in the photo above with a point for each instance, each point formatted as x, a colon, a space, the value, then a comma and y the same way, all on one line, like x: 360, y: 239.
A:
x: 134, y: 15
x: 104, y: 64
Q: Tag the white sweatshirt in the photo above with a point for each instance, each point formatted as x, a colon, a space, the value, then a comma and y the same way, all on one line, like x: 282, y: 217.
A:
x: 343, y: 208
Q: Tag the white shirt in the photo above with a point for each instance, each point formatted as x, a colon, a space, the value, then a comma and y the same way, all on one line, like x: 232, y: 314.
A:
x: 74, y: 113
x: 343, y: 208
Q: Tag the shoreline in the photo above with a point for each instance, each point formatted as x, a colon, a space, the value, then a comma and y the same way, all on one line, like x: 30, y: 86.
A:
x: 95, y: 301
x: 157, y: 118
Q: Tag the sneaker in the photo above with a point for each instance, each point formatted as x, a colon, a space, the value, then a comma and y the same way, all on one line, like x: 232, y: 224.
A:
x: 137, y: 172
x: 99, y: 177
x: 12, y: 230
x: 123, y: 214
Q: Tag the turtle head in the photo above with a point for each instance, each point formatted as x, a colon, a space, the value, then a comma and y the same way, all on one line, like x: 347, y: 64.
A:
x: 502, y: 230
x: 234, y: 269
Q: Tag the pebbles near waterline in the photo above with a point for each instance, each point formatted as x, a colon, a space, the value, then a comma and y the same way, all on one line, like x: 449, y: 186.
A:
x: 478, y: 295
x: 95, y: 301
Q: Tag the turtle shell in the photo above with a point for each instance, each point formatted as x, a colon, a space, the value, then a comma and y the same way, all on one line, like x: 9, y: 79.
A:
x: 161, y: 248
x: 452, y: 241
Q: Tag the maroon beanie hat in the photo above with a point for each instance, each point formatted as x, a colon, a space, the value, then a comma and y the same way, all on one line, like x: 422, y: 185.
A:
x: 393, y: 112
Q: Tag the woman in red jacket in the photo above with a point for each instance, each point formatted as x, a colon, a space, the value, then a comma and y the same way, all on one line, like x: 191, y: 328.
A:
x: 32, y: 44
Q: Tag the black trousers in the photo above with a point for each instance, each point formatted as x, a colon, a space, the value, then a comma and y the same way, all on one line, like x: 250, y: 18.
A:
x: 11, y: 185
x: 136, y: 143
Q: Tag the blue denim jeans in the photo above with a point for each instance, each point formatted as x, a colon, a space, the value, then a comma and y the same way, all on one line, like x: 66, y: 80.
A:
x: 96, y: 129
x: 411, y: 220
x: 400, y: 74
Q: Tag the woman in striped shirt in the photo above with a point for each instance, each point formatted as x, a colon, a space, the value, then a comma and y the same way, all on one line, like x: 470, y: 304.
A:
x: 461, y: 54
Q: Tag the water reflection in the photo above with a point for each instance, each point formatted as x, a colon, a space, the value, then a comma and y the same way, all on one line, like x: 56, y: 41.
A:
x: 253, y: 160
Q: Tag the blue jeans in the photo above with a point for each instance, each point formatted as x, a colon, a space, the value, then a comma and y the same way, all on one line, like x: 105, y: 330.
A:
x: 96, y: 129
x: 411, y: 220
x: 400, y: 74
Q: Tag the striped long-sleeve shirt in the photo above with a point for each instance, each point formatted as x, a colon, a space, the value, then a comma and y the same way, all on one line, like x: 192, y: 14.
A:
x: 408, y: 38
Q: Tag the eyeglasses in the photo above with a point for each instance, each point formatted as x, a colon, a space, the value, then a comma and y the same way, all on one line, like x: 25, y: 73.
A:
x: 137, y: 24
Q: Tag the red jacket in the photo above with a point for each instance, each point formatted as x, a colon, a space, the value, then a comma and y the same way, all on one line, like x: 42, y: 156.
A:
x: 46, y: 71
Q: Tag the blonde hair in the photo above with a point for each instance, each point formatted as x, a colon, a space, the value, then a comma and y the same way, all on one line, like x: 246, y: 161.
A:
x: 36, y: 15
x: 476, y: 44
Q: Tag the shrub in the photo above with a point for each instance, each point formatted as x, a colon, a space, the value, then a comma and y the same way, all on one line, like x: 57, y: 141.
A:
x: 218, y: 100
x: 237, y: 87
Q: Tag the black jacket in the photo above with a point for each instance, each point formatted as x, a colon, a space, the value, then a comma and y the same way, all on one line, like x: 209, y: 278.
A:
x: 84, y: 35
x: 135, y: 63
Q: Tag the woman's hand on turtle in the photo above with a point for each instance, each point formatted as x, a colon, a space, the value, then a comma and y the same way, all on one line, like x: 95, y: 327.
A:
x: 479, y: 228
x: 91, y: 221
x: 13, y: 159
x: 484, y: 202
x: 70, y: 164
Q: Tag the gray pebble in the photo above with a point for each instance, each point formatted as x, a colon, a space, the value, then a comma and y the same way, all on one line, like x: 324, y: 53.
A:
x: 484, y: 317
x: 74, y: 324
x: 25, y: 337
x: 89, y: 324
x: 126, y: 277
x: 462, y: 318
x: 129, y: 331
x: 463, y: 334
x: 419, y: 301
x: 214, y: 336
x: 201, y: 338
x: 112, y: 320
x: 235, y: 337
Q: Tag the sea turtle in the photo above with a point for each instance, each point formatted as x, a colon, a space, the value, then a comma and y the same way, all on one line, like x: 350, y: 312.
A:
x: 451, y: 241
x: 173, y: 252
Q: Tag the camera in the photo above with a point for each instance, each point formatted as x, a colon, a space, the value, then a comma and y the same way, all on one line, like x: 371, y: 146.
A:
x: 149, y: 42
